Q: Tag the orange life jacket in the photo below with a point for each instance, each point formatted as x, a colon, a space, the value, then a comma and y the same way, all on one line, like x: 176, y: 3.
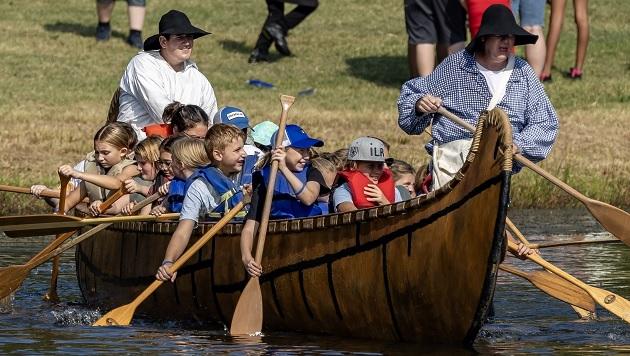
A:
x: 357, y: 181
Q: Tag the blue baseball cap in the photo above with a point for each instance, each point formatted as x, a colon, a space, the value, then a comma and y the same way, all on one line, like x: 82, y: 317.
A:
x: 232, y: 116
x: 295, y: 137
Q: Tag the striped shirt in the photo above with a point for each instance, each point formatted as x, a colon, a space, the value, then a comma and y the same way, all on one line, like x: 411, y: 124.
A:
x: 465, y: 93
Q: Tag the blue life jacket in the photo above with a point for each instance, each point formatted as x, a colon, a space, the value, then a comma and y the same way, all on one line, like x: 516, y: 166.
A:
x: 245, y: 177
x: 324, y: 206
x: 176, y: 194
x: 226, y: 189
x: 285, y: 204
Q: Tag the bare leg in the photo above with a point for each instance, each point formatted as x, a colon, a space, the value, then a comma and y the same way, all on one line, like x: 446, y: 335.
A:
x: 536, y: 53
x: 421, y: 59
x: 136, y: 17
x: 553, y: 36
x: 104, y: 10
x: 581, y: 20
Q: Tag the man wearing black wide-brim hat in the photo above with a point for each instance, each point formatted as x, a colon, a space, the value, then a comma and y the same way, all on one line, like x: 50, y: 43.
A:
x: 484, y: 75
x: 164, y: 73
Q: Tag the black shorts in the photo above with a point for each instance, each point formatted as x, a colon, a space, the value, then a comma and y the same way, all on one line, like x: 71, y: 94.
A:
x: 435, y: 21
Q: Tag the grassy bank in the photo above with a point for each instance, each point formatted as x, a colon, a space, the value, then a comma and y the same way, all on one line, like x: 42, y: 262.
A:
x: 57, y: 82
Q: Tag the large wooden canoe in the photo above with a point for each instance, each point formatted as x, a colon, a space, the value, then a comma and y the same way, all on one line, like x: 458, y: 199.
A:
x: 422, y: 270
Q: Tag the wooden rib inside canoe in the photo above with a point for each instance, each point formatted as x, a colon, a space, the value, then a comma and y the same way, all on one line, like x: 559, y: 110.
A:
x: 422, y: 270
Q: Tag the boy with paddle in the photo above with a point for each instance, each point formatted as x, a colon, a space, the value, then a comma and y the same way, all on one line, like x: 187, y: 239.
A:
x: 209, y: 189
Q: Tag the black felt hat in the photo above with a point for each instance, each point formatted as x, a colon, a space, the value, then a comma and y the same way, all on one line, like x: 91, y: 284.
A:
x: 499, y: 20
x: 173, y: 23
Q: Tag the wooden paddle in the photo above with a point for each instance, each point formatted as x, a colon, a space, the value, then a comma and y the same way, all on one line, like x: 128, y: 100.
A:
x: 584, y: 314
x: 51, y: 295
x: 11, y: 277
x: 573, y: 242
x: 248, y: 315
x: 610, y: 301
x: 48, y: 193
x: 555, y: 286
x: 62, y: 223
x: 614, y: 220
x: 122, y: 315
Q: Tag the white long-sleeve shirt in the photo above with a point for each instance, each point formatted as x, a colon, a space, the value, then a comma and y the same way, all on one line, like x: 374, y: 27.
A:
x: 149, y: 84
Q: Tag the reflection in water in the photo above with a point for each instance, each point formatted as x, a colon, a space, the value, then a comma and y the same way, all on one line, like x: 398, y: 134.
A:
x: 526, y: 320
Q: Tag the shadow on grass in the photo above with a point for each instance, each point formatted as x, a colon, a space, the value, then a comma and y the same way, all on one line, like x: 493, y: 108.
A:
x: 78, y: 29
x: 390, y: 71
x: 235, y: 46
x: 241, y: 48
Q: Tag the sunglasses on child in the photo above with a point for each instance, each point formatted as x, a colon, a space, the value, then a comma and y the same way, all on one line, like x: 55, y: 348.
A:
x: 162, y: 163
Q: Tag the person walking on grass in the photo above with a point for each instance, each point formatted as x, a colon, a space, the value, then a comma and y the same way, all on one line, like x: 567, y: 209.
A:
x: 532, y: 17
x: 555, y: 26
x: 277, y: 26
x: 433, y: 25
x: 136, y: 11
x: 163, y: 73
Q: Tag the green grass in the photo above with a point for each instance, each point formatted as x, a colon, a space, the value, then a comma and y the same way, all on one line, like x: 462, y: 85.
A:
x: 56, y: 83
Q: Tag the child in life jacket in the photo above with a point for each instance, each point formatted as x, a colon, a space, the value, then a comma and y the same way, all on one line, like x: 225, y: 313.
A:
x: 230, y: 115
x: 209, y: 189
x: 186, y: 156
x: 298, y: 185
x: 147, y: 153
x: 366, y: 181
x: 106, y: 168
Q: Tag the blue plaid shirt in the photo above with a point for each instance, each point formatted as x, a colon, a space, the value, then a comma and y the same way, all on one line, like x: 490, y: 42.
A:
x: 464, y: 92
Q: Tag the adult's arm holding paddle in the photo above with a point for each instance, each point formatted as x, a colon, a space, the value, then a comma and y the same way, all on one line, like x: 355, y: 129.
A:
x: 614, y: 220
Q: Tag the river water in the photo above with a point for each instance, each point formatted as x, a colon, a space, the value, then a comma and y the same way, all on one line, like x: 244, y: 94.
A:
x: 526, y: 320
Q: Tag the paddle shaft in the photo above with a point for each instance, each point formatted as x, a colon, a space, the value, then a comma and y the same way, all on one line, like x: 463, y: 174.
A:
x: 48, y: 193
x: 262, y: 230
x: 127, y: 310
x: 192, y: 250
x: 613, y: 219
x: 610, y: 301
x: 88, y: 221
x: 569, y: 243
x: 248, y: 314
x: 43, y: 257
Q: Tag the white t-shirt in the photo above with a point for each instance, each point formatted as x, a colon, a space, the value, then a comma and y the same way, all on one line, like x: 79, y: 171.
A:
x: 149, y: 84
x: 342, y: 194
x: 199, y: 200
x: 497, y: 81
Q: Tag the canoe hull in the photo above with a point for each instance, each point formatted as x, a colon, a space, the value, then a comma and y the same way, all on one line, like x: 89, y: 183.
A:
x: 422, y: 270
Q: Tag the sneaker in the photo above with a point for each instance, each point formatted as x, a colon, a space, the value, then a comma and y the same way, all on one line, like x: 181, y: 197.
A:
x: 135, y: 40
x: 574, y: 73
x: 545, y: 78
x: 103, y: 32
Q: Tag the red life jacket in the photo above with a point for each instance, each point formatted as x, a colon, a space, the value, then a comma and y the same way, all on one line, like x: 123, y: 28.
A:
x: 357, y: 181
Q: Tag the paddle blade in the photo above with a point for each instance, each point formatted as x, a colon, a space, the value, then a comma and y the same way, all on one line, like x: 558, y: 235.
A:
x: 562, y: 290
x: 614, y: 220
x: 248, y: 315
x: 120, y: 316
x: 11, y: 279
x: 611, y: 302
x: 38, y: 225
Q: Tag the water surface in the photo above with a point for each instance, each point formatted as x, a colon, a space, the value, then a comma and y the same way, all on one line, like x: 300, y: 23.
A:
x: 526, y: 320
